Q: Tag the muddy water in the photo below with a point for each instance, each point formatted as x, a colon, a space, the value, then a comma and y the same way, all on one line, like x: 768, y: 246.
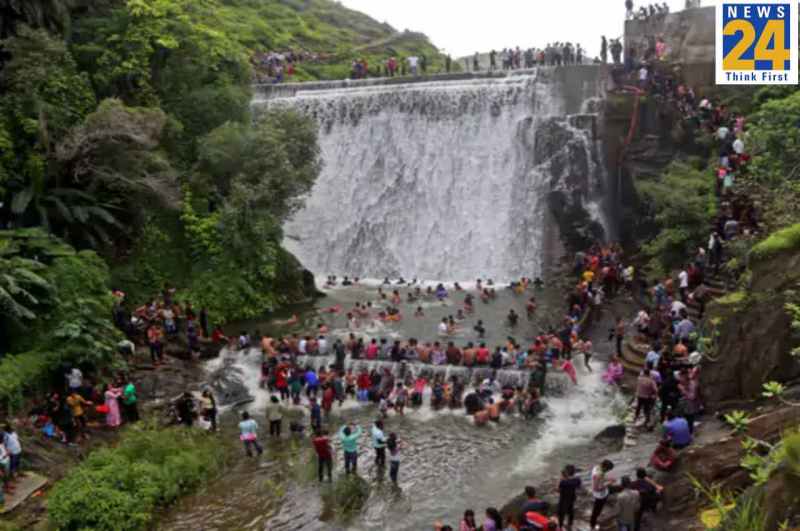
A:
x: 448, y: 463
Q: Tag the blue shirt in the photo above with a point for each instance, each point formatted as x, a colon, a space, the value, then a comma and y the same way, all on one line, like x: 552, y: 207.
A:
x: 248, y: 427
x: 684, y: 329
x: 311, y: 379
x: 652, y: 358
x: 677, y: 430
x: 11, y: 441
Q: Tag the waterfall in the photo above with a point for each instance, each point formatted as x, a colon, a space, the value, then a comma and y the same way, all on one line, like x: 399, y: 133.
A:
x: 445, y: 179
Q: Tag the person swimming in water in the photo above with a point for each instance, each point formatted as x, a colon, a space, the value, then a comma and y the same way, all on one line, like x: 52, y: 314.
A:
x: 530, y: 308
x: 512, y: 318
x: 441, y: 292
x: 468, y: 303
x: 419, y: 312
x: 460, y: 315
x: 479, y: 328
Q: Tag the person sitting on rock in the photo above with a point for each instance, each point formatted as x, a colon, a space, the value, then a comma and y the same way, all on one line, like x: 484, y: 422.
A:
x: 663, y: 457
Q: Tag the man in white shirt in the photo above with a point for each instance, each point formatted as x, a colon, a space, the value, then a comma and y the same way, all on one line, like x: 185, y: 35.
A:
x: 413, y: 61
x: 600, y: 491
x: 75, y: 379
x: 322, y: 345
x: 643, y: 74
x: 169, y: 320
x: 683, y: 283
x: 738, y: 145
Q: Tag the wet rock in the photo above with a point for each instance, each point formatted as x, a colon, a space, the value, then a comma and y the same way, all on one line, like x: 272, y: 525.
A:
x: 755, y: 335
x: 227, y: 384
x: 613, y: 433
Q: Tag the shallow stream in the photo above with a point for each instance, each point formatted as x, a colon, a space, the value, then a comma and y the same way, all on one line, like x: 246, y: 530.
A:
x: 448, y: 463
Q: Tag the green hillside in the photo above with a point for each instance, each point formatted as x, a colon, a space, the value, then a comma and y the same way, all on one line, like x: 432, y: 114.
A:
x: 320, y: 26
x: 122, y: 123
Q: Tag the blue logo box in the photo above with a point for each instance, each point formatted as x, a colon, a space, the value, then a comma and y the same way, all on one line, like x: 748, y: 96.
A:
x: 755, y: 28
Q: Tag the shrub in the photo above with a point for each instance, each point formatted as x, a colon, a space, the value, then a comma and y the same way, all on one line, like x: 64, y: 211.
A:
x: 787, y: 239
x: 681, y: 204
x: 121, y: 488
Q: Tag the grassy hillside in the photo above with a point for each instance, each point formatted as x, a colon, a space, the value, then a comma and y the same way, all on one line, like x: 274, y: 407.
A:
x: 321, y: 26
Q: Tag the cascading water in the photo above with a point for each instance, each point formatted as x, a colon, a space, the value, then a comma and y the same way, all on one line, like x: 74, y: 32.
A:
x: 446, y: 179
x: 439, y: 180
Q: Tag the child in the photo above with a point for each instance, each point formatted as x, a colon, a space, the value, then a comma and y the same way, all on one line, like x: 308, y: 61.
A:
x: 383, y: 407
x: 350, y: 383
x: 400, y: 399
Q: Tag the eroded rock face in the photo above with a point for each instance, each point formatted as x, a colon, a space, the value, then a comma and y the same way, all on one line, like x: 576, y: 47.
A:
x: 718, y: 462
x: 689, y: 34
x: 755, y: 335
x: 570, y: 155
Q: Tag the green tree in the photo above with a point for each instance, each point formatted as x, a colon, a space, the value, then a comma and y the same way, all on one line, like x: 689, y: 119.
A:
x: 274, y: 163
x: 53, y: 15
x: 169, y: 53
x: 21, y: 288
x: 259, y: 174
x: 774, y: 138
x: 681, y: 202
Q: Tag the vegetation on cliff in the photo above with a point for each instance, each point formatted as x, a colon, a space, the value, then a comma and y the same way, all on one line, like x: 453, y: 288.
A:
x: 125, y: 127
x: 129, y: 159
x: 56, y: 305
x: 758, y: 321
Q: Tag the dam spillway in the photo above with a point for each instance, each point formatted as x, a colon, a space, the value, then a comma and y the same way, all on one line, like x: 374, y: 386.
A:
x: 446, y: 178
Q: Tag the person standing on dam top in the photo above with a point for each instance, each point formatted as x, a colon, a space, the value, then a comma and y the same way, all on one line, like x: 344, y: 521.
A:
x: 413, y: 63
x: 603, y: 49
x: 492, y: 60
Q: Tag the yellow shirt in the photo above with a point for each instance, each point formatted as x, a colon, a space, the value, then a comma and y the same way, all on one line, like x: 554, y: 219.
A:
x: 588, y: 276
x: 75, y: 403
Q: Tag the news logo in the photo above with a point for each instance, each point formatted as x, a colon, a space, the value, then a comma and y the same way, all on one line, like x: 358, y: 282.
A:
x: 756, y: 42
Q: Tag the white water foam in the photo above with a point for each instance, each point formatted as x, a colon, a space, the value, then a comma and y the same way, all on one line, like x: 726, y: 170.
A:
x: 439, y: 180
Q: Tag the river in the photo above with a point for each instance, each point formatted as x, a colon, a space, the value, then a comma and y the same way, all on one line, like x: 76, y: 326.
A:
x: 448, y: 463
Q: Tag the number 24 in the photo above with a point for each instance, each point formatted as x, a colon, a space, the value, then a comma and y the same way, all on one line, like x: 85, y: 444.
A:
x: 773, y: 29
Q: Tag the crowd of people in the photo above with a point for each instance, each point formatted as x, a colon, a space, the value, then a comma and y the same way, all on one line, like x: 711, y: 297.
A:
x: 649, y: 12
x: 287, y: 372
x: 274, y: 67
x: 66, y: 415
x: 600, y: 273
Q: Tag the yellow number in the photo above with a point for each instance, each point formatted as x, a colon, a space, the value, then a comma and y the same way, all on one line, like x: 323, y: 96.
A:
x: 778, y: 54
x: 734, y: 61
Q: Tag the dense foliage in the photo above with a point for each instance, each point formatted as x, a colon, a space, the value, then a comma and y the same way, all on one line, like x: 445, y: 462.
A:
x: 681, y: 203
x: 125, y: 127
x: 784, y: 240
x: 120, y: 488
x: 56, y: 306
